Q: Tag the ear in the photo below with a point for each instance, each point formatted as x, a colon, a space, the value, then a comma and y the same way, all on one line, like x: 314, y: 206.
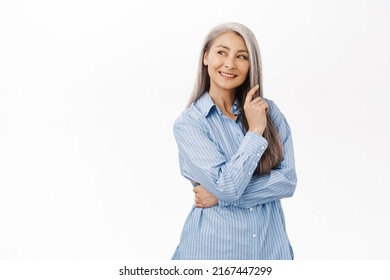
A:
x: 205, y: 58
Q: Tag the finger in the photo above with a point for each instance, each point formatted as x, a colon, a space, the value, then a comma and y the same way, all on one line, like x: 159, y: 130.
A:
x: 259, y: 102
x: 249, y: 95
x: 256, y: 100
x: 265, y: 106
x: 260, y: 105
x: 263, y: 103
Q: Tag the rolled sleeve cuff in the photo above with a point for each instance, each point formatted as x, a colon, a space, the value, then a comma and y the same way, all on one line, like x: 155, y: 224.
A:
x: 254, y: 145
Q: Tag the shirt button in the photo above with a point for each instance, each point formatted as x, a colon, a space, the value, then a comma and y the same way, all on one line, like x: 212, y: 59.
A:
x: 249, y: 173
x: 250, y: 209
x: 254, y: 235
x: 258, y: 154
x: 262, y: 147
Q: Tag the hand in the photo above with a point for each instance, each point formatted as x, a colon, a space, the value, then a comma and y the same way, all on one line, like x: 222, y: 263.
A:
x: 204, y: 199
x: 256, y: 111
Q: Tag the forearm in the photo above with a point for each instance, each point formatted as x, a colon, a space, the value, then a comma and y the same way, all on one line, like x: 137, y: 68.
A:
x: 228, y: 180
x: 279, y: 183
x: 265, y: 188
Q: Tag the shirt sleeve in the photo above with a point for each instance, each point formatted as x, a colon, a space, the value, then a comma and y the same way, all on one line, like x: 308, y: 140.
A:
x: 280, y: 182
x: 205, y: 162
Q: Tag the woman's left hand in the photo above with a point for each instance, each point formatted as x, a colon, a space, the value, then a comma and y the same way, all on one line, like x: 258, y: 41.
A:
x: 203, y: 198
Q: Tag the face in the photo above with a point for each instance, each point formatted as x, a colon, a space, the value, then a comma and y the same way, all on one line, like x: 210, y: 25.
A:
x: 227, y: 61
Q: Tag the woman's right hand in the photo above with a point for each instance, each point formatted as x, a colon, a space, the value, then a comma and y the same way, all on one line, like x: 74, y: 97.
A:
x: 256, y: 112
x: 203, y: 198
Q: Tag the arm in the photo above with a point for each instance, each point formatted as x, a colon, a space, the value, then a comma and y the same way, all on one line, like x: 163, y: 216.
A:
x: 281, y: 181
x: 207, y: 165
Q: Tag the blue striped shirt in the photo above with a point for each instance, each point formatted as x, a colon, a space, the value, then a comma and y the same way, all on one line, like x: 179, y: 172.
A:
x: 248, y: 221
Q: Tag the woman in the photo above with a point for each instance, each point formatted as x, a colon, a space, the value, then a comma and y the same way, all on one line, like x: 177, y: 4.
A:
x: 235, y: 147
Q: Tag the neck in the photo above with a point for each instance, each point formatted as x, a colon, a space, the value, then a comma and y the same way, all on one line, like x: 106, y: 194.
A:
x: 224, y: 100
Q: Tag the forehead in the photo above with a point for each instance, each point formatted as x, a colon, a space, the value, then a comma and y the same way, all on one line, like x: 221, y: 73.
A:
x: 231, y: 40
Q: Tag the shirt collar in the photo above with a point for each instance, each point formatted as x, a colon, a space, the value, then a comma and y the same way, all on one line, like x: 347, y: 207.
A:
x: 205, y: 104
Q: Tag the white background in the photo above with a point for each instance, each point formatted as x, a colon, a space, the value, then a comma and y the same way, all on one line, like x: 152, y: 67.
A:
x: 89, y: 91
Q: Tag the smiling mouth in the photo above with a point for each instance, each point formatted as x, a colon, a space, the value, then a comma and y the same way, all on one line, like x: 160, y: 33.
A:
x: 226, y: 75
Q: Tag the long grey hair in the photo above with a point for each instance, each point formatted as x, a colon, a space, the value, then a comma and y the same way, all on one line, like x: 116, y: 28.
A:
x: 274, y: 153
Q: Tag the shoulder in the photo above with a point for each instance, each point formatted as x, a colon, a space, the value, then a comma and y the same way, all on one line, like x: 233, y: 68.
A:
x: 276, y: 114
x: 273, y: 109
x: 190, y: 117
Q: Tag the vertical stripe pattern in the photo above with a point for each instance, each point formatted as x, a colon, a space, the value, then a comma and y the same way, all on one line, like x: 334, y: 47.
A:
x: 216, y: 152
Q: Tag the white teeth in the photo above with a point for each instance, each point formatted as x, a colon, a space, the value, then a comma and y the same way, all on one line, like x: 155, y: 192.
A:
x: 227, y: 75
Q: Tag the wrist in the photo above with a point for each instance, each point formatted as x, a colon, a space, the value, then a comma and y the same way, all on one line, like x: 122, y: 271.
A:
x: 257, y: 130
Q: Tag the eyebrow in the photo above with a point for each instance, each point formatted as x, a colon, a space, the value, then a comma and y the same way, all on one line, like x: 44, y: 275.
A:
x: 222, y: 46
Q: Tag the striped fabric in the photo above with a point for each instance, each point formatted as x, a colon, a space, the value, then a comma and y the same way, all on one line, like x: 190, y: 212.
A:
x: 248, y: 221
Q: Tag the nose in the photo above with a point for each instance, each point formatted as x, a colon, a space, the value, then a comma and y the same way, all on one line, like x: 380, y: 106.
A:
x: 229, y: 63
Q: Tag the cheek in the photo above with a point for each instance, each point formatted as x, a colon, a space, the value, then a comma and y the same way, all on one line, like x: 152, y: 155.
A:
x: 213, y: 66
x: 215, y: 62
x: 245, y: 71
x: 244, y: 66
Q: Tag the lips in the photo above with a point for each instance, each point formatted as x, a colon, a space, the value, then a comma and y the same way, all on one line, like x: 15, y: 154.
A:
x: 227, y: 75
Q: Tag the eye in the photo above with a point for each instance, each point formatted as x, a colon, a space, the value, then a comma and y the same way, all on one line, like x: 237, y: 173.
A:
x: 221, y: 52
x: 242, y: 56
